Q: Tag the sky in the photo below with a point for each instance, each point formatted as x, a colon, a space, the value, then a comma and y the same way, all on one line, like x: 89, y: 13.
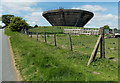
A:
x: 105, y: 13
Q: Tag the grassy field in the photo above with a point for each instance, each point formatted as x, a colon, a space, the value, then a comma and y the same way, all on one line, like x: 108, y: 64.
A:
x: 51, y: 29
x: 81, y: 43
x: 39, y: 61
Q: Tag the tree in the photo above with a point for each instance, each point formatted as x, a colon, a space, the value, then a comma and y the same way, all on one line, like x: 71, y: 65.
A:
x: 0, y: 27
x: 35, y: 26
x: 18, y: 24
x: 30, y: 27
x: 0, y: 18
x: 106, y: 27
x: 115, y: 28
x: 6, y: 19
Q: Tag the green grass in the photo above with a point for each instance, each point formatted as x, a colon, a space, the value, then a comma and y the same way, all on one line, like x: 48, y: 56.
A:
x: 51, y: 29
x: 82, y: 43
x: 38, y: 61
x: 54, y: 29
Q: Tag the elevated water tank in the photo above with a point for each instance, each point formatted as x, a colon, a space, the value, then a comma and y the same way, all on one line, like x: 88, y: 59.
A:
x: 68, y: 17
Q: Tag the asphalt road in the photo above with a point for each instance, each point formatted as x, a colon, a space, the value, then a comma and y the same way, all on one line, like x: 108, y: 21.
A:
x: 8, y: 72
x: 0, y: 55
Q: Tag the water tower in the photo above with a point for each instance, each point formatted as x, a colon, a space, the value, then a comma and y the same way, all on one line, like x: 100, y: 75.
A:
x: 68, y: 17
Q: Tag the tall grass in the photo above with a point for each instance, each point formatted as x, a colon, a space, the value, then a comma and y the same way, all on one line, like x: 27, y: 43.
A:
x: 38, y: 61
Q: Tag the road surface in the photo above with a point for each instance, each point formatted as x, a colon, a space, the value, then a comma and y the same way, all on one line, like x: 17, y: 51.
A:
x: 0, y: 55
x: 8, y: 71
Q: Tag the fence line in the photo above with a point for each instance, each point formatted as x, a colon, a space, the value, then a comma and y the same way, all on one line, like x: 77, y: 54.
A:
x: 55, y: 39
x: 31, y: 35
x: 45, y: 37
x: 100, y: 42
x: 37, y: 36
x: 71, y: 48
x: 54, y: 36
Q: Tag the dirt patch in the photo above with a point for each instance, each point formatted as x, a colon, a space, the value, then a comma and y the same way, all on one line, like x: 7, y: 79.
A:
x: 94, y: 72
x: 113, y: 59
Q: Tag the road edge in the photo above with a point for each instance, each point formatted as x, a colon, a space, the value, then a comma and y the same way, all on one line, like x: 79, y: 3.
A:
x: 18, y: 76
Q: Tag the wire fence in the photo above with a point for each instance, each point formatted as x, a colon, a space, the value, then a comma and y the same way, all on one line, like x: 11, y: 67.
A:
x: 80, y: 43
x: 77, y: 43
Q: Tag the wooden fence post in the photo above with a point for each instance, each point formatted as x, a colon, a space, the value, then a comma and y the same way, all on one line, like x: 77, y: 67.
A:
x: 55, y: 39
x: 102, y: 44
x: 28, y: 34
x: 93, y: 55
x: 102, y: 47
x: 37, y: 35
x: 45, y: 37
x: 31, y: 35
x: 71, y: 48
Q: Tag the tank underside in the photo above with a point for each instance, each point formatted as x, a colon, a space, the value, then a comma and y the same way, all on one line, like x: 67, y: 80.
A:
x: 68, y: 17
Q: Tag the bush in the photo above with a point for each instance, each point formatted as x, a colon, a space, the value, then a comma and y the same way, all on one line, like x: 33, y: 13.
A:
x: 17, y: 24
x: 6, y: 19
x: 35, y: 26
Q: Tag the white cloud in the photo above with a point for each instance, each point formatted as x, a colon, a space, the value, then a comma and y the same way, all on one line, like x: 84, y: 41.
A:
x: 100, y: 20
x: 35, y: 14
x: 19, y: 0
x: 62, y: 0
x: 26, y: 10
x: 1, y: 24
x: 1, y: 9
x: 36, y: 18
x: 17, y: 7
x: 103, y: 17
x: 93, y: 8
